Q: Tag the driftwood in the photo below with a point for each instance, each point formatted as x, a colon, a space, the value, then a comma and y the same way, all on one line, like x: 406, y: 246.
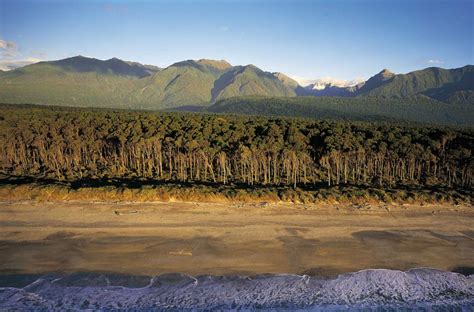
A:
x: 118, y: 213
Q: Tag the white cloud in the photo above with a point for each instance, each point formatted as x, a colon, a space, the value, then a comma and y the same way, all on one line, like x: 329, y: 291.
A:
x: 11, y: 58
x: 7, y: 44
x: 12, y: 64
x: 8, y: 49
x: 224, y: 28
x: 302, y: 81
x: 435, y: 61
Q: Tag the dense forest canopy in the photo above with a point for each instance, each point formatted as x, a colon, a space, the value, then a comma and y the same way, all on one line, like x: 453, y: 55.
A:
x: 72, y: 144
x: 415, y: 109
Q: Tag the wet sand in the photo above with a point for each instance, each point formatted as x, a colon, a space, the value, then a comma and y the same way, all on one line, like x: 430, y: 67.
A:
x: 222, y: 239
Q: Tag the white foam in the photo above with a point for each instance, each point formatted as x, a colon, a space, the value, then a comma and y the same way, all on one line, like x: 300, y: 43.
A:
x: 370, y: 289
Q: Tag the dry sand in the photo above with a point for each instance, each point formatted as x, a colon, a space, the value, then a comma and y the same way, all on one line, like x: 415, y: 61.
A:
x: 213, y: 238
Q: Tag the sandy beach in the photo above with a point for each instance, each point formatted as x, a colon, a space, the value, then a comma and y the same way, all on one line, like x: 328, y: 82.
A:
x: 221, y: 239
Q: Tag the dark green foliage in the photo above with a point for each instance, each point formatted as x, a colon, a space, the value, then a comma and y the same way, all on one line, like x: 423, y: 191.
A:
x: 64, y: 144
x: 417, y: 109
x: 437, y: 83
x: 249, y: 80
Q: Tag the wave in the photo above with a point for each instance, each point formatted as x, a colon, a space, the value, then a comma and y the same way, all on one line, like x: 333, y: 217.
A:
x: 374, y: 289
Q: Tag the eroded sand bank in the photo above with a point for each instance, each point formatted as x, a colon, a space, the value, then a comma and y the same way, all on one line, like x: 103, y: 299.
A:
x: 219, y: 239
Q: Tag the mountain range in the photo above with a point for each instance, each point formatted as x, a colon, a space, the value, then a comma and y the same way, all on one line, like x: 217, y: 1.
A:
x: 445, y: 85
x: 114, y: 83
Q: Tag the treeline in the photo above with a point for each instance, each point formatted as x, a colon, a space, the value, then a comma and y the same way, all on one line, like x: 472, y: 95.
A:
x: 75, y: 144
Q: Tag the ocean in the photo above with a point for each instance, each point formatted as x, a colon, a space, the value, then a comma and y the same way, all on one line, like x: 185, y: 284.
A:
x: 421, y: 289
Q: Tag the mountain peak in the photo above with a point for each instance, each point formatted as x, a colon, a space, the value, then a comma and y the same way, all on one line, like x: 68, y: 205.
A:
x: 113, y: 66
x: 385, y: 74
x: 282, y: 76
x: 204, y: 64
x: 79, y: 57
x: 219, y: 64
x: 285, y: 79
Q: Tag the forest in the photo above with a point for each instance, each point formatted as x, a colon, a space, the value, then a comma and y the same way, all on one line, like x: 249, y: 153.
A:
x: 412, y: 109
x: 65, y: 144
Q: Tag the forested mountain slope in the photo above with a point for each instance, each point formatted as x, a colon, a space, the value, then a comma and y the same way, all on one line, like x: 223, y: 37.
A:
x: 373, y: 82
x: 249, y: 80
x: 88, y: 82
x: 417, y: 109
x: 455, y: 86
x: 76, y: 81
x: 113, y: 66
x: 184, y: 83
x: 447, y: 85
x: 73, y: 82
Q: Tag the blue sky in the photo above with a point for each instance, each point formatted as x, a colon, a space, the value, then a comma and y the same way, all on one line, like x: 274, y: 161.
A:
x: 340, y: 38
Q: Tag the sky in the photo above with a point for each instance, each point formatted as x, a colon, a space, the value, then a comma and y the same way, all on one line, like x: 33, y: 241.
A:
x: 343, y: 39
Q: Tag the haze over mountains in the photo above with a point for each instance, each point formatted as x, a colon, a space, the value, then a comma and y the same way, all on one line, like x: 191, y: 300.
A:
x: 114, y: 83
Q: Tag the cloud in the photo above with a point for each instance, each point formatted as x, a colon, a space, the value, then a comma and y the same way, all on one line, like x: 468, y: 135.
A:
x: 11, y: 58
x: 12, y: 64
x: 435, y: 62
x: 302, y: 81
x: 8, y: 49
x: 224, y: 28
x: 7, y: 44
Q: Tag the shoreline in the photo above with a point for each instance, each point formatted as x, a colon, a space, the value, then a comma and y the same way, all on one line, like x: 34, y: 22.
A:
x: 21, y: 280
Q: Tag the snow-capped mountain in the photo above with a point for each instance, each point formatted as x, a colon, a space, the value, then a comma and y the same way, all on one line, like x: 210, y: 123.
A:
x: 322, y: 83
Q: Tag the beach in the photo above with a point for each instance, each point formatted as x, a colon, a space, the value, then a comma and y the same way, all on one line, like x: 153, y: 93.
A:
x: 231, y: 239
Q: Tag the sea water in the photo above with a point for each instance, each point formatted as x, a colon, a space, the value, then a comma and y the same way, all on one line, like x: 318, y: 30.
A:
x: 368, y: 290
